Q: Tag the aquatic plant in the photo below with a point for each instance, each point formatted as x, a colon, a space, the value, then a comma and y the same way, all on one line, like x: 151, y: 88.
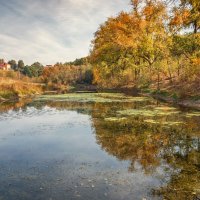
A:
x: 113, y: 119
x: 193, y: 114
x: 168, y: 123
x: 146, y: 113
x: 92, y: 97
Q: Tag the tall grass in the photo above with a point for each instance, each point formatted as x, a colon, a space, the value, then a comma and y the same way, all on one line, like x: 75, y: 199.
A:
x: 13, y: 86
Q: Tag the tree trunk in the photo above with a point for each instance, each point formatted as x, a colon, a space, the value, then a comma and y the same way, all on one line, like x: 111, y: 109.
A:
x: 158, y: 81
x: 195, y: 27
x: 135, y: 75
x: 170, y: 75
x: 178, y: 69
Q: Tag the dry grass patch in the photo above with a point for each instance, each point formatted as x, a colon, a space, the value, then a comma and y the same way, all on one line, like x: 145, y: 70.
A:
x: 10, y: 89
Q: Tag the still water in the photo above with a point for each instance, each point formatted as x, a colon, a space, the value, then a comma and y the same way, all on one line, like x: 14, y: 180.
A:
x: 98, y: 147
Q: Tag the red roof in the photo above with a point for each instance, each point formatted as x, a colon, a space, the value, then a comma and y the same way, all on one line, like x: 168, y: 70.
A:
x: 3, y: 65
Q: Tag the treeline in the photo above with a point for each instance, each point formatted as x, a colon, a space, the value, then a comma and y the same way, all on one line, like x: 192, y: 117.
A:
x: 79, y: 61
x: 155, y: 44
x: 61, y: 76
x: 34, y: 70
x: 55, y: 76
x: 29, y: 80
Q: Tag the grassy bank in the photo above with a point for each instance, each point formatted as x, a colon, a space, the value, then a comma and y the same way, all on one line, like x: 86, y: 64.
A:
x: 14, y: 87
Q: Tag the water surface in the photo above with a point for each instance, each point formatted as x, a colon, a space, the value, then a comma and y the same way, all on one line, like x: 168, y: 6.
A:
x: 105, y: 147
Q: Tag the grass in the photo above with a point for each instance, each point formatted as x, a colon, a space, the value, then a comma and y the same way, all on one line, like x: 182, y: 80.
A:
x: 12, y: 89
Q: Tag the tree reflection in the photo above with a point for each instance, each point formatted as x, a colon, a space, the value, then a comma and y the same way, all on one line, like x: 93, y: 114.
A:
x: 150, y: 145
x: 8, y: 106
x: 175, y: 147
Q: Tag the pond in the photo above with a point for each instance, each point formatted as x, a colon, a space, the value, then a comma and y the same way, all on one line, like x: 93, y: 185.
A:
x: 98, y: 146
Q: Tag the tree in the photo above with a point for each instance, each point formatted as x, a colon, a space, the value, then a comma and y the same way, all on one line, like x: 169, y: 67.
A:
x: 187, y: 15
x: 136, y: 41
x: 186, y: 50
x: 13, y: 64
x: 20, y: 65
x: 78, y: 61
x: 35, y: 70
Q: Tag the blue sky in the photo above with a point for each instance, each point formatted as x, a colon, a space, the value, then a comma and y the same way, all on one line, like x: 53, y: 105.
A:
x: 49, y: 31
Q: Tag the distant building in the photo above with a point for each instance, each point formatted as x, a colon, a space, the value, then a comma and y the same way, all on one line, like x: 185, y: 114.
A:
x: 5, y: 66
x: 49, y: 66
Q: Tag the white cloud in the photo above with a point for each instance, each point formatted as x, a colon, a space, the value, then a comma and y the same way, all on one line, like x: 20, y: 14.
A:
x: 52, y: 30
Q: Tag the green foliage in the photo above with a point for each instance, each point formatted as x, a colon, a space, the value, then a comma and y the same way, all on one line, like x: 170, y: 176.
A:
x: 88, y: 76
x: 188, y: 45
x: 35, y: 70
x: 21, y: 65
x: 78, y: 62
x: 13, y: 64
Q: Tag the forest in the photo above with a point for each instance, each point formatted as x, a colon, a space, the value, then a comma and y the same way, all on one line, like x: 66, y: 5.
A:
x: 154, y: 48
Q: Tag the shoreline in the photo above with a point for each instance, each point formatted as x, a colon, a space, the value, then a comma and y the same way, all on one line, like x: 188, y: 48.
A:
x: 184, y: 103
x: 18, y: 98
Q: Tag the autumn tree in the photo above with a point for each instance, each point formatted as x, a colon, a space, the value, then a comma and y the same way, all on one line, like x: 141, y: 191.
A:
x: 131, y: 42
x: 62, y: 75
x: 186, y: 15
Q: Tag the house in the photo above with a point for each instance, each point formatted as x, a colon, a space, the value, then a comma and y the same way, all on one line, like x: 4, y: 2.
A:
x: 49, y: 66
x: 5, y: 66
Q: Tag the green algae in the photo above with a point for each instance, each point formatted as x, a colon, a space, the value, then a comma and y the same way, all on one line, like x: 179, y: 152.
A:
x: 135, y: 112
x: 92, y: 97
x: 146, y: 113
x: 115, y: 119
x: 151, y: 121
x: 193, y: 114
x: 165, y: 108
x: 168, y: 123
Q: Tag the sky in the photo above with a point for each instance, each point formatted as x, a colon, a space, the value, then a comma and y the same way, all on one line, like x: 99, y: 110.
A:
x: 50, y: 31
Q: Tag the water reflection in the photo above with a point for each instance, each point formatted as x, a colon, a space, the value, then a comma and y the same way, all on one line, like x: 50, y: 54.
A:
x: 139, y: 159
x: 153, y: 145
